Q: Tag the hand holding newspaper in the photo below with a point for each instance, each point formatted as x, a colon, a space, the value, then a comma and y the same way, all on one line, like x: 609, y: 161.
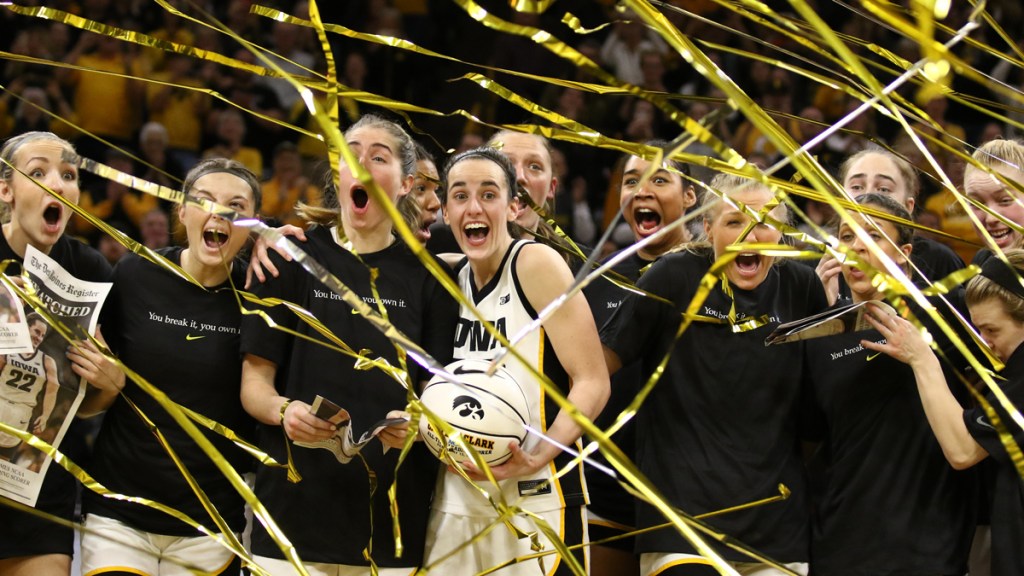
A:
x: 343, y: 444
x: 39, y: 391
x: 838, y: 320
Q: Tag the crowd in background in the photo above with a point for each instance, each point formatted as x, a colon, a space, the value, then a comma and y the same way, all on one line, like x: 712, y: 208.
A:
x: 168, y: 127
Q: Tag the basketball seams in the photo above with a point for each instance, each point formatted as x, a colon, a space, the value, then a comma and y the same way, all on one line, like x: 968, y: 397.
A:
x: 497, y: 404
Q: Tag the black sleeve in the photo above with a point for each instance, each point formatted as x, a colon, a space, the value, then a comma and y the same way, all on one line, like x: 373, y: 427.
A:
x: 110, y: 314
x: 638, y: 323
x: 984, y: 433
x: 88, y: 263
x: 951, y: 351
x: 258, y: 336
x: 440, y: 315
x: 816, y: 301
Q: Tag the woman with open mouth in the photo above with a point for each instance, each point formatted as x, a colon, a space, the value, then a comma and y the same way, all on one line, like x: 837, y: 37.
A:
x: 37, y: 218
x: 720, y: 426
x: 648, y: 206
x: 510, y: 281
x: 419, y: 207
x: 889, y: 503
x: 184, y: 339
x: 330, y: 516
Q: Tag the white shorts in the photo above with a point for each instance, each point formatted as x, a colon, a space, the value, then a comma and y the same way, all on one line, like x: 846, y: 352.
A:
x: 112, y: 546
x: 278, y: 567
x: 654, y: 563
x: 15, y: 416
x: 448, y: 532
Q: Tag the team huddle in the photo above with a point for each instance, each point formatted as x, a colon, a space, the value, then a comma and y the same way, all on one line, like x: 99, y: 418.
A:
x: 875, y: 435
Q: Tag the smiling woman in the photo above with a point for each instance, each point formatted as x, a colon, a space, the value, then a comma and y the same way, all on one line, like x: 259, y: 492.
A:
x: 968, y: 436
x: 1001, y: 202
x: 649, y: 207
x: 659, y: 201
x: 509, y: 282
x: 212, y: 240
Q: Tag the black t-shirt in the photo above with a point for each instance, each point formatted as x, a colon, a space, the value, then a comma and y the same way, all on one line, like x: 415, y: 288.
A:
x: 57, y: 495
x: 442, y: 240
x: 891, y: 503
x: 607, y: 498
x: 1008, y: 492
x: 185, y: 341
x: 327, y: 515
x: 934, y: 259
x: 720, y: 427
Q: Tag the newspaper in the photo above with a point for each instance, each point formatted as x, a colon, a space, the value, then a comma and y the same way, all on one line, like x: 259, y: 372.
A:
x: 39, y: 393
x: 14, y: 336
x: 342, y: 444
x: 848, y: 318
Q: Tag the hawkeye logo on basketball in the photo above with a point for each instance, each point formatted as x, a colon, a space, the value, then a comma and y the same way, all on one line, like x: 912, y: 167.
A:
x: 473, y: 334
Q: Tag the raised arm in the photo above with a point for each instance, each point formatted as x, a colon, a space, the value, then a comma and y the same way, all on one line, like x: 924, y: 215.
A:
x: 945, y: 415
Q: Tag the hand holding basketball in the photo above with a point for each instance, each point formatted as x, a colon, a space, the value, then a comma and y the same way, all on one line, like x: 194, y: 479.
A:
x: 521, y: 463
x: 488, y: 413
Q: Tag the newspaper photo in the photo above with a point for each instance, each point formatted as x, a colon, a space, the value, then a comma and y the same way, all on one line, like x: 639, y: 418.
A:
x: 342, y: 444
x: 14, y: 336
x: 39, y: 393
x: 849, y: 318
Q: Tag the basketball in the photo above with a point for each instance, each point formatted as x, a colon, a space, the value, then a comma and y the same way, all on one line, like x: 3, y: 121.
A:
x: 488, y: 412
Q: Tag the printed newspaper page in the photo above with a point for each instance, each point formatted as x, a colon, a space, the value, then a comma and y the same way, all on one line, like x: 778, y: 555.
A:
x: 14, y: 337
x: 837, y: 320
x: 39, y: 393
x: 343, y: 444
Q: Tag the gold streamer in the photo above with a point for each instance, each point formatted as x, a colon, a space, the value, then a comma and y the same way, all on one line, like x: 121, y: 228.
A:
x: 921, y: 31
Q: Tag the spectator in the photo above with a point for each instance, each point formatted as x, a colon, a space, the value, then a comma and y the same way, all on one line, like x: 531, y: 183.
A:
x: 160, y: 167
x: 111, y: 249
x: 107, y: 105
x: 30, y: 113
x: 230, y: 136
x: 287, y: 187
x: 114, y: 201
x: 179, y: 110
x: 155, y: 230
x: 292, y: 59
x: 623, y: 48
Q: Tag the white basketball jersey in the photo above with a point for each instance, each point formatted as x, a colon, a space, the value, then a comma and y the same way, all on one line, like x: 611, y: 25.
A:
x: 22, y: 378
x: 504, y: 305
